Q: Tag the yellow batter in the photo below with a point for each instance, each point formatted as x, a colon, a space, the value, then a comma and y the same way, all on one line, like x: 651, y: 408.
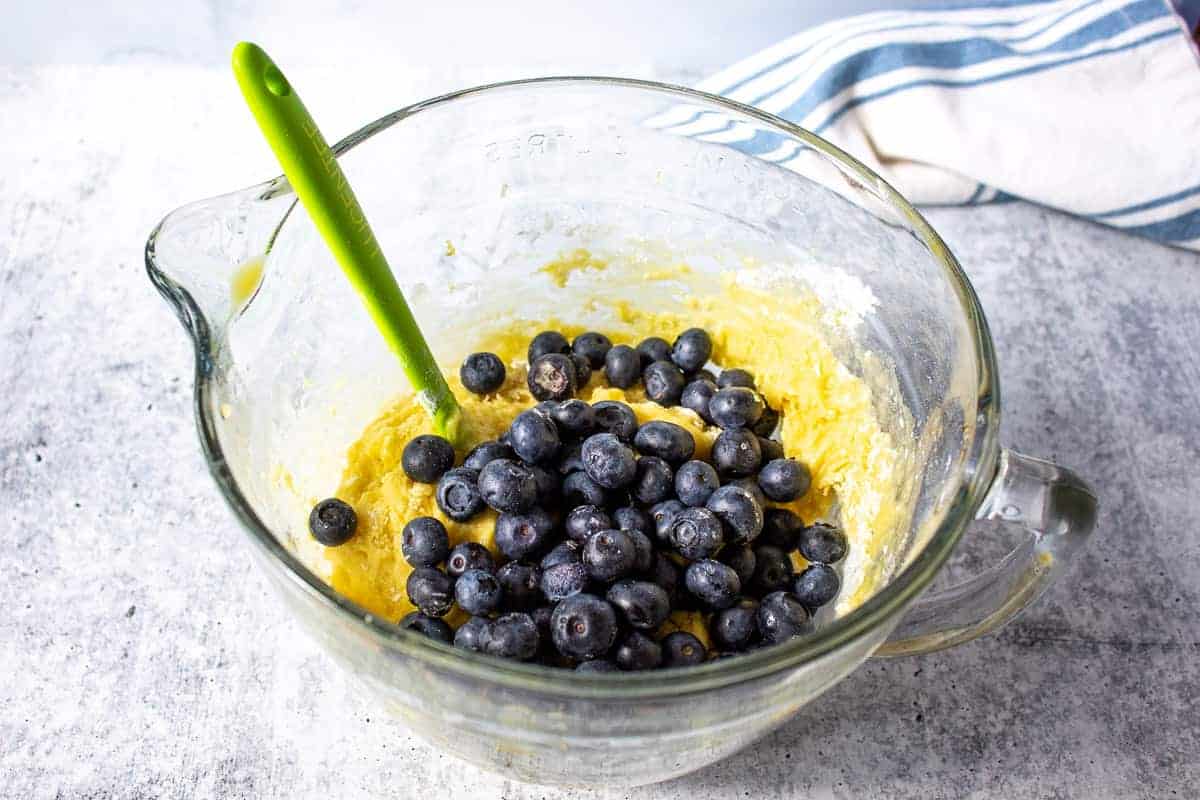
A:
x: 828, y: 423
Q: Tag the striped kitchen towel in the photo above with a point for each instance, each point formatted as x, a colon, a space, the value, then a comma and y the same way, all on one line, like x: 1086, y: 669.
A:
x: 1088, y: 106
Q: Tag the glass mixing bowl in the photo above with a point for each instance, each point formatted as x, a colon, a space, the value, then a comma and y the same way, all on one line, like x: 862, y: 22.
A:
x: 470, y: 194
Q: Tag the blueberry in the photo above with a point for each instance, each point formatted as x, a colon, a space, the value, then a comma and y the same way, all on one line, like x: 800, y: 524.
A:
x: 662, y: 514
x: 561, y: 553
x: 770, y: 448
x: 571, y: 459
x: 751, y: 485
x: 767, y: 423
x: 692, y: 349
x: 682, y: 649
x: 548, y: 485
x: 522, y: 535
x: 592, y: 346
x: 467, y: 556
x: 735, y: 377
x: 738, y: 511
x: 332, y: 522
x: 533, y: 437
x: 552, y: 377
x: 477, y: 592
x: 695, y: 482
x: 735, y: 407
x: 583, y: 521
x: 615, y: 417
x: 823, y: 544
x: 583, y: 371
x: 474, y: 634
x: 622, y: 366
x: 429, y: 626
x: 507, y: 486
x: 816, y: 585
x: 654, y: 482
x: 741, y: 558
x: 430, y: 590
x: 485, y: 452
x: 597, y: 665
x: 780, y: 617
x: 424, y: 542
x: 541, y: 617
x: 513, y: 636
x: 629, y: 518
x: 583, y: 626
x: 703, y: 375
x: 547, y: 656
x: 482, y: 373
x: 547, y: 342
x: 781, y: 528
x: 735, y: 627
x: 426, y: 458
x: 546, y: 408
x: 637, y: 651
x: 608, y: 461
x: 643, y: 550
x: 574, y: 418
x: 772, y: 570
x: 664, y: 383
x: 458, y: 494
x: 564, y: 580
x: 695, y: 533
x: 653, y: 349
x: 666, y: 440
x: 696, y: 396
x: 736, y: 452
x: 521, y: 584
x: 714, y: 584
x: 784, y: 480
x: 664, y: 573
x: 642, y: 604
x: 609, y: 555
x: 578, y: 489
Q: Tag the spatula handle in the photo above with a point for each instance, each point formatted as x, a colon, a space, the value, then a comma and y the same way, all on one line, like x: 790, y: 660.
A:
x: 319, y: 182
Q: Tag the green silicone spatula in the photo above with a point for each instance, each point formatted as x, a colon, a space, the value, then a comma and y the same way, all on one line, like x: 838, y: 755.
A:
x: 322, y: 187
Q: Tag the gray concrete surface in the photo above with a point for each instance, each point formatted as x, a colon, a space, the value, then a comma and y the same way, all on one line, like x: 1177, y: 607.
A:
x: 142, y: 656
x: 572, y: 36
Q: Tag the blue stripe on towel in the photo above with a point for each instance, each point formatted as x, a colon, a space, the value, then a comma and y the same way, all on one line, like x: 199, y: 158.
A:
x: 760, y: 142
x: 1003, y: 197
x: 975, y: 195
x: 907, y: 26
x: 1148, y: 204
x: 890, y: 57
x: 950, y: 82
x: 820, y: 78
x: 957, y: 54
x: 1182, y: 228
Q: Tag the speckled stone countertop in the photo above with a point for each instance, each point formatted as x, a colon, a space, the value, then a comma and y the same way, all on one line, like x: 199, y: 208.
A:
x: 142, y: 656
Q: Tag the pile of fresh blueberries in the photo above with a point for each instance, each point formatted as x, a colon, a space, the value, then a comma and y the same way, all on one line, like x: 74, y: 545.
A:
x: 605, y: 527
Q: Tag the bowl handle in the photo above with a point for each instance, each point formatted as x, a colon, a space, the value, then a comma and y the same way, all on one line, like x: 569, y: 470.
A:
x: 1058, y: 511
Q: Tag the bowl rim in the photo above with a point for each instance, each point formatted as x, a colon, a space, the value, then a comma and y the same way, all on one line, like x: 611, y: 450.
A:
x: 975, y: 476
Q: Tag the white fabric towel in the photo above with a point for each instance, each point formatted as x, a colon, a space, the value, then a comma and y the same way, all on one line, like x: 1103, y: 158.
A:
x: 1088, y: 106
